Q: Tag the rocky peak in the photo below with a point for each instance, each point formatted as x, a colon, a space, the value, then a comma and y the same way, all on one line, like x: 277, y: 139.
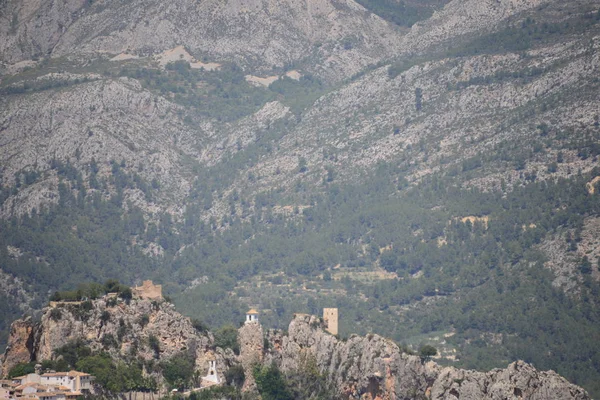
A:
x: 519, y: 381
x: 152, y: 330
x: 250, y: 339
x: 372, y: 367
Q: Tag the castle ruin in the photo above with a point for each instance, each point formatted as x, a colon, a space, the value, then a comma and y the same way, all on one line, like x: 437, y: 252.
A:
x: 148, y: 290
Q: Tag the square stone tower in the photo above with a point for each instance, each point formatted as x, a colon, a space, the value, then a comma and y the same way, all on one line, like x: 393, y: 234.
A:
x: 330, y: 316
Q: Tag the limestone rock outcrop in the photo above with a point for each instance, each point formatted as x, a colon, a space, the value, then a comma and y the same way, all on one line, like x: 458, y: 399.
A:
x: 518, y: 381
x: 151, y: 329
x: 373, y: 367
x: 20, y: 345
x: 251, y: 341
x: 369, y: 367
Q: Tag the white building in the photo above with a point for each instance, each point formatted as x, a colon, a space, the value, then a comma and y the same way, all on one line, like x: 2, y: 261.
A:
x: 212, y: 376
x: 74, y: 380
x: 251, y: 316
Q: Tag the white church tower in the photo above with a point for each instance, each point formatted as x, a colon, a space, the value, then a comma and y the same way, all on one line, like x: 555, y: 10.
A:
x: 251, y: 316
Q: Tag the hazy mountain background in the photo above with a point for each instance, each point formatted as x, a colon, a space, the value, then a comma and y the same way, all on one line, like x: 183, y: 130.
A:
x: 429, y: 167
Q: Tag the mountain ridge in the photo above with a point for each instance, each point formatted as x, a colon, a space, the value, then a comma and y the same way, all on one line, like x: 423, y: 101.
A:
x: 357, y: 174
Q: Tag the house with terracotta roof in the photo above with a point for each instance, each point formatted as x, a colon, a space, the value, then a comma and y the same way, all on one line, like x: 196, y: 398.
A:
x: 50, y: 396
x: 75, y: 381
x: 29, y: 378
x: 29, y: 389
x: 7, y: 383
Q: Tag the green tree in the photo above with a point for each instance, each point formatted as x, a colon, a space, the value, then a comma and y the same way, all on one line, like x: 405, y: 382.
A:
x: 271, y: 383
x: 178, y: 370
x: 426, y: 352
x: 21, y: 369
x: 226, y: 337
x: 418, y: 99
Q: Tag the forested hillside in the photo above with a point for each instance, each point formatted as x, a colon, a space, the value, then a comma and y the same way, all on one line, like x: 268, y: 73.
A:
x: 443, y: 191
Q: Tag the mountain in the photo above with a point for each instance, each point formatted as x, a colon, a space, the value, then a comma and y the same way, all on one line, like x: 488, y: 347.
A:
x: 334, y: 37
x: 428, y: 167
x: 151, y: 336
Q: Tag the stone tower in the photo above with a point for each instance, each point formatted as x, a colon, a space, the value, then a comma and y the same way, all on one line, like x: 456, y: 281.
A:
x: 330, y: 316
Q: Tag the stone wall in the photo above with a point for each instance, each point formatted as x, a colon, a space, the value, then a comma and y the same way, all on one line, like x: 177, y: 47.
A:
x: 148, y: 290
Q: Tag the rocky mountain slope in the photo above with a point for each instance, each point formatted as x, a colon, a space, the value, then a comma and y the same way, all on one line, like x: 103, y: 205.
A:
x: 295, y: 155
x: 257, y: 33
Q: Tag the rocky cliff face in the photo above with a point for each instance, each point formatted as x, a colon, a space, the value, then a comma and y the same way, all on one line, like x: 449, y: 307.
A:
x: 373, y: 367
x: 104, y: 120
x: 116, y: 327
x: 340, y: 35
x: 20, y: 349
x: 370, y: 367
x: 250, y: 339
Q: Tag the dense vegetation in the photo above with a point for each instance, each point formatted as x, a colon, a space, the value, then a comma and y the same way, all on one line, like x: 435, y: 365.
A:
x: 223, y: 94
x: 403, y: 12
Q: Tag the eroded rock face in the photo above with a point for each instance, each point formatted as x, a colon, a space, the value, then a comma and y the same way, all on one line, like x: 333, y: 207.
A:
x: 116, y: 327
x: 250, y: 339
x: 369, y: 367
x: 361, y: 366
x: 257, y: 33
x: 373, y: 367
x: 19, y: 349
x: 518, y: 381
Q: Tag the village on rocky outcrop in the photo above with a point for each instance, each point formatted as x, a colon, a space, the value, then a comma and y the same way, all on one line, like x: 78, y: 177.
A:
x: 47, y: 386
x: 369, y: 367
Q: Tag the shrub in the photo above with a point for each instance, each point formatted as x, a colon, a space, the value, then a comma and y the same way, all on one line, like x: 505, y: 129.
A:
x: 199, y: 325
x: 55, y: 314
x: 73, y: 351
x: 126, y: 293
x: 105, y: 316
x: 144, y: 320
x: 86, y: 306
x: 111, y: 302
x: 270, y: 383
x: 21, y: 369
x: 226, y: 337
x: 154, y: 345
x: 235, y: 376
x: 178, y: 370
x: 109, y: 341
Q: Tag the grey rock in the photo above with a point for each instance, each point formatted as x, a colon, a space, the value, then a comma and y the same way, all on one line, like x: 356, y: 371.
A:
x: 338, y: 35
x: 374, y: 367
x: 130, y: 325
